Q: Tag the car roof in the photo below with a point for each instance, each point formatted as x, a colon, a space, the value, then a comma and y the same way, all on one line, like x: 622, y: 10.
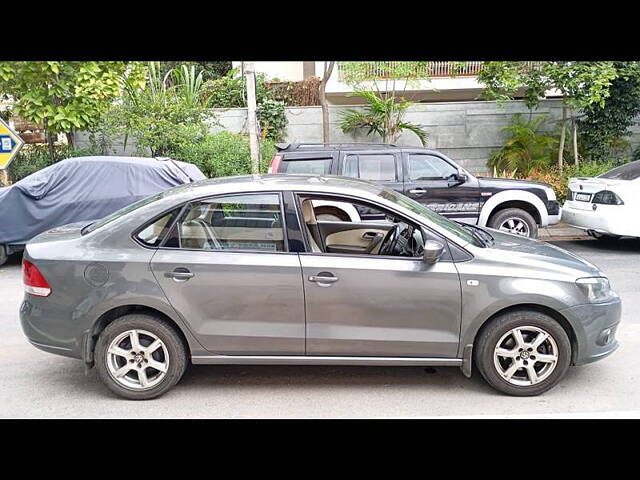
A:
x: 314, y: 147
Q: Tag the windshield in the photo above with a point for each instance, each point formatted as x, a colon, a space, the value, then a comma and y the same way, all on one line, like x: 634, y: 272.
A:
x: 420, y: 209
x: 119, y: 213
x: 630, y: 171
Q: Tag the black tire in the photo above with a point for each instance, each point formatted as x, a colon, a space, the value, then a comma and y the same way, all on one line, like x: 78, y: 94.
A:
x: 3, y: 255
x: 489, y: 336
x: 175, y: 346
x: 498, y: 218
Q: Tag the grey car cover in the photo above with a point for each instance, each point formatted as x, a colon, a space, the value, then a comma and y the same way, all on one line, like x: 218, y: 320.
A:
x: 83, y: 188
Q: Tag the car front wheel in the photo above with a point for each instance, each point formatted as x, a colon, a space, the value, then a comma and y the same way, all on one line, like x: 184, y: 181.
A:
x: 523, y: 353
x: 140, y: 357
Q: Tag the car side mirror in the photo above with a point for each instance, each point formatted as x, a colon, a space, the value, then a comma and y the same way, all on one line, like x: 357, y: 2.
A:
x: 457, y: 179
x: 432, y: 251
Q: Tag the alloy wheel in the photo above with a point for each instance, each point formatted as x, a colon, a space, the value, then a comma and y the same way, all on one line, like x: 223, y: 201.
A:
x: 515, y: 225
x: 526, y: 355
x: 137, y: 359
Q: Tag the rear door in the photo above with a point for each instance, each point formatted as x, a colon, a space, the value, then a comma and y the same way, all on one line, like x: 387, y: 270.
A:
x: 379, y: 166
x: 226, y: 269
x: 426, y: 180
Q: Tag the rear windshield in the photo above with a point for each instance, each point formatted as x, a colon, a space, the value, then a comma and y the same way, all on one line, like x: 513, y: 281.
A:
x: 119, y: 213
x: 630, y: 171
x: 317, y: 166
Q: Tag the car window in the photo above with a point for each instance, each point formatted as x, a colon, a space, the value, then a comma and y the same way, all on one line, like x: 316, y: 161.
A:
x: 123, y: 211
x: 630, y: 171
x: 375, y: 167
x: 319, y: 166
x: 428, y: 167
x: 251, y: 222
x: 153, y: 234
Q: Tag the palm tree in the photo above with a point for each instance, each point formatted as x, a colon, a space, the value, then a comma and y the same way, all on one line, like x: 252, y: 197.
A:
x: 383, y: 115
x: 526, y: 149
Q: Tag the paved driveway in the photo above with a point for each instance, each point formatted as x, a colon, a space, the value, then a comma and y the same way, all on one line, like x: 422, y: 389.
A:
x: 37, y: 384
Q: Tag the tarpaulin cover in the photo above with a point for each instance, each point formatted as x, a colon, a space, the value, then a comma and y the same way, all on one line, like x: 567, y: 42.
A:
x: 83, y: 188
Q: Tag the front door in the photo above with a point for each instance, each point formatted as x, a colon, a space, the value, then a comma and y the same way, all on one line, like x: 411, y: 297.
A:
x: 226, y: 270
x: 426, y: 180
x: 366, y: 304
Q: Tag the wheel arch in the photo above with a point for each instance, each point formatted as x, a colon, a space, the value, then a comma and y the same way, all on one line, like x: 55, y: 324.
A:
x: 109, y: 316
x: 556, y: 315
x: 526, y: 201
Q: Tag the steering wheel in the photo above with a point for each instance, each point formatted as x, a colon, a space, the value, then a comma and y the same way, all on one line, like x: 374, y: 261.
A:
x: 390, y: 240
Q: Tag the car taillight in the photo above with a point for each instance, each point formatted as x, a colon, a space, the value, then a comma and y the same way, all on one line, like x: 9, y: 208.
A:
x: 34, y: 281
x: 275, y: 163
x: 607, y: 197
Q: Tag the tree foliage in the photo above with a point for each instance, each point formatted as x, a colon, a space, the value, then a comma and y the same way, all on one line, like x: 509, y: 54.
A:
x: 64, y: 96
x: 164, y: 111
x: 602, y: 128
x: 581, y: 84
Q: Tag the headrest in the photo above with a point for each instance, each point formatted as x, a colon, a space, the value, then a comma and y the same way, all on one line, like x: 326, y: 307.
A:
x: 308, y: 213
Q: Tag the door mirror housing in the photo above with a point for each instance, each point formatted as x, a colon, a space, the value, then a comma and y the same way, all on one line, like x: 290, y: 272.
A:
x: 457, y: 179
x: 433, y: 250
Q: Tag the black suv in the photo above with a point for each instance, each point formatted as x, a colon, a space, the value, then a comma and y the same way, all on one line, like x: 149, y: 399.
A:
x: 431, y: 178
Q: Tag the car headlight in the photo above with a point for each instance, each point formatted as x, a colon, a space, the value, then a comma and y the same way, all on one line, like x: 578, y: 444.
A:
x: 596, y: 289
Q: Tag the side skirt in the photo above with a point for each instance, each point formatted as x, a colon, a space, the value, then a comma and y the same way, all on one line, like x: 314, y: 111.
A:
x: 322, y: 360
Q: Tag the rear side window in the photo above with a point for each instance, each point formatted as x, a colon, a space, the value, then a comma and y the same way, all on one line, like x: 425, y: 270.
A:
x: 316, y: 166
x: 630, y: 171
x: 375, y: 167
x: 251, y: 222
x: 153, y: 234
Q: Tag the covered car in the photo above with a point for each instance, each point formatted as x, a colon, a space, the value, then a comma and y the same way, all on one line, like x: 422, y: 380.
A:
x: 82, y: 189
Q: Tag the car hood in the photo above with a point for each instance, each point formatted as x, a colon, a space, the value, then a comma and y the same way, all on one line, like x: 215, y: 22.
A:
x: 529, y: 253
x: 505, y: 183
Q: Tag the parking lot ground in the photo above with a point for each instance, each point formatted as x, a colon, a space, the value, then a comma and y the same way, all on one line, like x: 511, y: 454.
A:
x: 34, y: 384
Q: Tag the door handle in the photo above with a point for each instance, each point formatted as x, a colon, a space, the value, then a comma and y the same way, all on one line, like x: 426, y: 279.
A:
x: 369, y: 235
x: 323, y: 279
x: 418, y: 191
x: 180, y: 274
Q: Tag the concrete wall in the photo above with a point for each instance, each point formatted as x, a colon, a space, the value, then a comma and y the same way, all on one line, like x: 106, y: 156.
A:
x: 466, y: 131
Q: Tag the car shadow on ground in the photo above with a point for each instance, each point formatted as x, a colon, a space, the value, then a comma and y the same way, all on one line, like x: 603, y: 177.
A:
x: 622, y: 245
x: 290, y: 378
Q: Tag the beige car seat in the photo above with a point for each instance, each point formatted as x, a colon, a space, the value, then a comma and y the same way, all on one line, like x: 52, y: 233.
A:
x: 196, y: 233
x: 311, y: 224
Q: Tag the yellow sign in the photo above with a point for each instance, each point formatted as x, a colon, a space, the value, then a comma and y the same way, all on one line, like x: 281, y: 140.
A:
x: 10, y: 144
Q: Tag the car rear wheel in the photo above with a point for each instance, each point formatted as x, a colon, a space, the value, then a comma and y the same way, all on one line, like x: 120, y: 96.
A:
x: 140, y: 357
x: 523, y: 353
x: 515, y: 220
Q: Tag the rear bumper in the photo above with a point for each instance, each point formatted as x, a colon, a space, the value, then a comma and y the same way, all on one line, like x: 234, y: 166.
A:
x: 607, y: 219
x: 595, y: 327
x: 51, y: 331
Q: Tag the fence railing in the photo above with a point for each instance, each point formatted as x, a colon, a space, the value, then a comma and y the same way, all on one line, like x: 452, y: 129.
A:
x: 423, y: 70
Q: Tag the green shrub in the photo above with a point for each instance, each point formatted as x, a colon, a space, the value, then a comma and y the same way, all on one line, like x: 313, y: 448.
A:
x: 560, y: 180
x: 36, y: 157
x: 224, y: 154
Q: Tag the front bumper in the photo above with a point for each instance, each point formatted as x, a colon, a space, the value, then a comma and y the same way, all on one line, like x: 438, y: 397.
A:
x: 595, y: 326
x: 554, y: 212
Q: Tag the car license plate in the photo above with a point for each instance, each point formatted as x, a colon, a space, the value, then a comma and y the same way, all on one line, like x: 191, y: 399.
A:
x: 583, y: 197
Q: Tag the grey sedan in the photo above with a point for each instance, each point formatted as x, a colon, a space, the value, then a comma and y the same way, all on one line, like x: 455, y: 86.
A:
x: 242, y: 271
